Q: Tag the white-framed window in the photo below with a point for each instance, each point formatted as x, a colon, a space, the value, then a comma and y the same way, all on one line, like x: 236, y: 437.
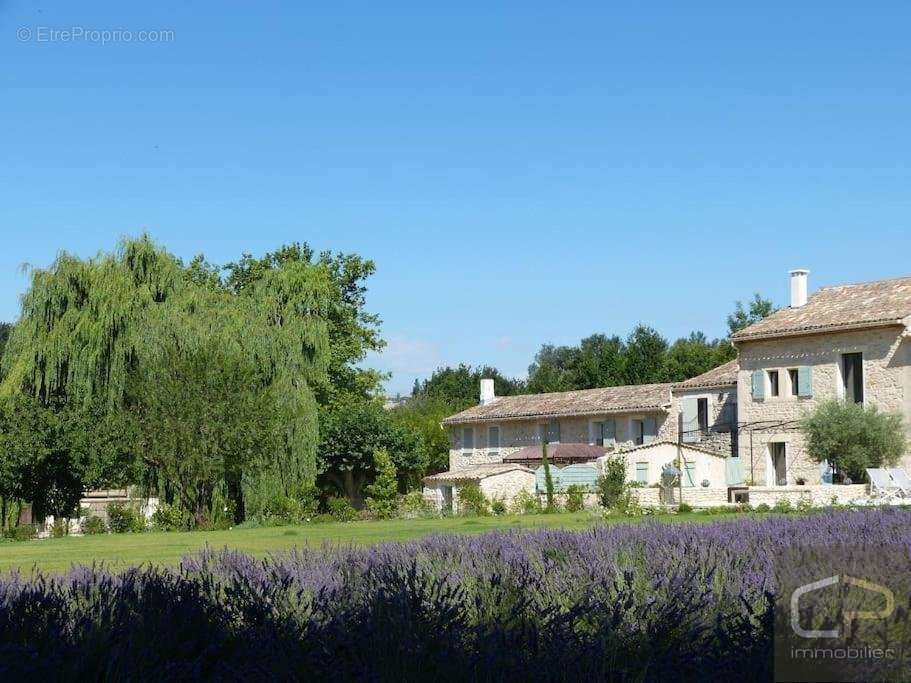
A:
x: 643, y: 430
x: 852, y: 377
x: 493, y: 440
x: 468, y: 439
x: 773, y: 383
x: 642, y: 472
x: 777, y: 464
x: 689, y: 473
x: 602, y: 432
x: 794, y: 381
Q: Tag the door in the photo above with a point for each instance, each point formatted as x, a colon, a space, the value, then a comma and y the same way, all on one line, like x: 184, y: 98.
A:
x: 778, y: 457
x: 447, y: 498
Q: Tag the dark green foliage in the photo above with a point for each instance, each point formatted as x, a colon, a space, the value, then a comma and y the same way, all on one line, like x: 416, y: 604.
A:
x: 341, y: 510
x: 123, y: 518
x: 382, y: 493
x: 26, y: 532
x: 170, y: 518
x: 472, y: 501
x: 460, y: 387
x: 497, y: 506
x: 412, y: 506
x: 60, y: 528
x: 575, y: 498
x: 684, y: 508
x: 853, y: 437
x: 612, y: 484
x: 548, y: 480
x: 93, y: 524
x: 422, y: 416
x: 742, y: 317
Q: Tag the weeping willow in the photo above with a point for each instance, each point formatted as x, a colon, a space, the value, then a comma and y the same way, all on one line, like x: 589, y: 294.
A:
x: 87, y: 325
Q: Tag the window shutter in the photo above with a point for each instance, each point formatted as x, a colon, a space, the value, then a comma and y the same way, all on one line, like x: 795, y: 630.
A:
x: 468, y: 438
x: 690, y: 408
x: 650, y: 430
x: 758, y: 385
x: 805, y: 381
x: 610, y: 432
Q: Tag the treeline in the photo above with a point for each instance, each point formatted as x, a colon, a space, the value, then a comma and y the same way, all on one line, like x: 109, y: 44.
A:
x: 599, y: 360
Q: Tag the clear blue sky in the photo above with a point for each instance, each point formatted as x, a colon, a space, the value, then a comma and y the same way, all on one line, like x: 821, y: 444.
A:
x: 521, y: 172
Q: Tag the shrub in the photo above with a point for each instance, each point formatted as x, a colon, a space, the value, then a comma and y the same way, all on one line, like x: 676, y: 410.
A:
x: 853, y: 437
x: 525, y: 503
x: 548, y: 480
x: 93, y: 524
x: 612, y: 484
x: 684, y: 508
x: 575, y: 498
x: 170, y: 518
x: 763, y: 507
x: 25, y: 532
x: 413, y: 506
x: 804, y: 505
x: 124, y: 519
x: 341, y: 510
x: 472, y: 500
x: 498, y: 506
x: 60, y: 528
x: 782, y: 506
x: 382, y: 493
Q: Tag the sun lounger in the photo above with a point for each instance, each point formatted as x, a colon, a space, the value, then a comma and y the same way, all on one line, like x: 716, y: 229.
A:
x: 902, y: 480
x: 882, y: 486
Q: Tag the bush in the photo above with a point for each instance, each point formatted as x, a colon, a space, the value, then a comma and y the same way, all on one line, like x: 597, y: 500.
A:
x: 763, y: 507
x: 60, y: 528
x: 612, y: 484
x: 525, y: 503
x: 413, y: 506
x: 341, y: 510
x: 382, y: 493
x: 684, y: 508
x: 498, y: 506
x: 472, y: 501
x: 853, y: 437
x: 170, y: 518
x: 124, y: 519
x: 26, y: 532
x: 575, y: 498
x: 93, y: 524
x: 804, y: 505
x: 782, y: 506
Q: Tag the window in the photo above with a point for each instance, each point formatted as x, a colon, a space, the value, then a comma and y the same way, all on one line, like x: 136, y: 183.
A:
x: 468, y: 439
x: 642, y: 472
x: 550, y: 432
x: 702, y: 415
x: 603, y: 433
x: 638, y: 432
x: 852, y: 374
x: 773, y: 382
x: 689, y: 474
x: 493, y: 440
x: 794, y: 378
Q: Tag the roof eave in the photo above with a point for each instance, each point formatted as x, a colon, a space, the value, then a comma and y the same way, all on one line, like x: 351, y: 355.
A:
x: 829, y: 329
x: 587, y: 413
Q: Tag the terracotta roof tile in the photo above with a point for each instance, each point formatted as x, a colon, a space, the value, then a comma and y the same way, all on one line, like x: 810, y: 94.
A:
x: 645, y: 397
x: 722, y: 376
x: 475, y: 472
x: 558, y: 452
x: 843, y: 307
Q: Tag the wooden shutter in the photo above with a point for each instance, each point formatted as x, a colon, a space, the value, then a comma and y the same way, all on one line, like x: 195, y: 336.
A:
x: 689, y: 404
x: 805, y: 381
x: 649, y: 430
x: 758, y: 385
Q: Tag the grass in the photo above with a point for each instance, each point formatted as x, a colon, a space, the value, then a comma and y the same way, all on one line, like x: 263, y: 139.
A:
x: 166, y: 548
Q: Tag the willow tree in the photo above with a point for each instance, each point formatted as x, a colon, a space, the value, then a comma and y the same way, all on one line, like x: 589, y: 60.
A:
x: 88, y: 326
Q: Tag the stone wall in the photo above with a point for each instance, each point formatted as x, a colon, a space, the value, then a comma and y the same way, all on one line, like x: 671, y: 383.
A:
x: 700, y: 497
x: 505, y: 486
x: 887, y: 379
x: 722, y: 404
x: 517, y: 434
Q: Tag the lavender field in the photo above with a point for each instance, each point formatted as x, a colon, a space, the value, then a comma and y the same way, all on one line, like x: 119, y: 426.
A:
x: 645, y: 602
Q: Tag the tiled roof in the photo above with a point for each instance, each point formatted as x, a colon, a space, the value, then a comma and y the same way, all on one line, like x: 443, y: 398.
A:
x: 645, y: 397
x: 562, y: 452
x: 474, y: 473
x: 665, y: 442
x: 722, y: 376
x: 844, y: 307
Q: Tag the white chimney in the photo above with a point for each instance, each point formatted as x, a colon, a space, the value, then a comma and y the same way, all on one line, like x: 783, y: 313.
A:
x: 799, y: 287
x: 487, y: 395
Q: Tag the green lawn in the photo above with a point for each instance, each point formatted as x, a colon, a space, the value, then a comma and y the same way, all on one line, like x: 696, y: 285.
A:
x: 166, y: 548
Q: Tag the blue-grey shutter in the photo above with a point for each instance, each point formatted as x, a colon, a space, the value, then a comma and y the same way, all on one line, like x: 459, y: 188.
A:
x: 609, y: 430
x: 649, y: 430
x: 690, y: 429
x: 468, y: 438
x: 805, y: 381
x: 758, y: 385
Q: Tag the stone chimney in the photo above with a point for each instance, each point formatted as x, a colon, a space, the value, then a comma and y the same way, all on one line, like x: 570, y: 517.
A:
x: 799, y: 287
x: 487, y: 394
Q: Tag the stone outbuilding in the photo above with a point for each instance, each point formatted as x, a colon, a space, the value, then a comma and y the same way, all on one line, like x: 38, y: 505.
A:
x: 497, y: 481
x: 701, y: 467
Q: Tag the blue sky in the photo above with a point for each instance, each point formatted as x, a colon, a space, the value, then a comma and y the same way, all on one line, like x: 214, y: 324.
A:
x: 521, y: 172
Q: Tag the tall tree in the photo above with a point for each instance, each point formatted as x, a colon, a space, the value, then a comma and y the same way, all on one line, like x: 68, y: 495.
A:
x: 693, y: 355
x: 744, y: 316
x: 461, y: 386
x: 645, y: 356
x: 553, y: 369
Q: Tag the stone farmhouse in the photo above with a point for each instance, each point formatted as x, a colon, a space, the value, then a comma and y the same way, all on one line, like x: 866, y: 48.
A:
x: 734, y: 428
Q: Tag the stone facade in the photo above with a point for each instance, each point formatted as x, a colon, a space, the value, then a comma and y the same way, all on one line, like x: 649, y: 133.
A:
x: 721, y: 435
x: 817, y: 496
x: 517, y: 434
x: 502, y: 486
x: 652, y: 459
x: 887, y: 385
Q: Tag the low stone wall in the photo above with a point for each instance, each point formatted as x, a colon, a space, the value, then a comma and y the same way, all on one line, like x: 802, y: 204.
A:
x: 701, y: 497
x: 590, y: 500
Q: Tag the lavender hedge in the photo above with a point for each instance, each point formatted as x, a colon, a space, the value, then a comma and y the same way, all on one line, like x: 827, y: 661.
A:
x: 645, y: 602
